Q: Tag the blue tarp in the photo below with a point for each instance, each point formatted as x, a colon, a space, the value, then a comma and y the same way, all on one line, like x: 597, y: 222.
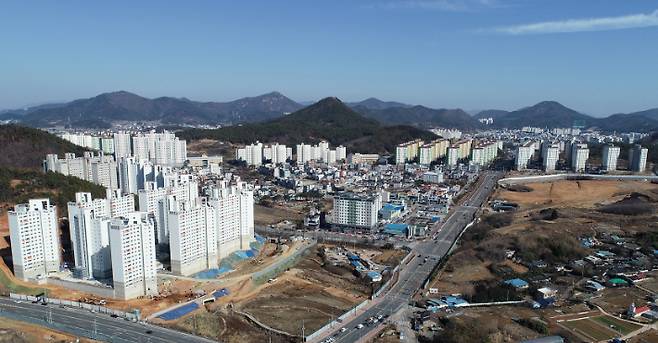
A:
x: 212, y: 273
x: 260, y: 239
x: 353, y: 257
x: 179, y: 312
x: 374, y: 275
x: 246, y: 254
x: 222, y: 292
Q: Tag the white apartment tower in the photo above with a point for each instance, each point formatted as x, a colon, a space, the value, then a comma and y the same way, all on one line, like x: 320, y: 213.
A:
x: 610, y: 157
x: 579, y: 156
x: 192, y: 238
x: 122, y: 146
x: 89, y: 221
x: 637, y: 158
x: 252, y: 154
x: 33, y: 231
x: 523, y: 155
x: 234, y: 216
x: 358, y: 211
x: 132, y: 247
x: 551, y: 156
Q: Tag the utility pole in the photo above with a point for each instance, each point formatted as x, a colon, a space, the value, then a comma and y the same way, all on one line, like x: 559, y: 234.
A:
x: 303, y: 329
x: 95, y: 333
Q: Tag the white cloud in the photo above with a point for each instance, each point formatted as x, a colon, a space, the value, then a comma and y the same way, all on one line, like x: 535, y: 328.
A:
x: 585, y: 24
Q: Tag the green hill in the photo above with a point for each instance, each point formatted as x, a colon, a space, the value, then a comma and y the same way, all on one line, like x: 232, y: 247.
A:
x: 19, y: 185
x: 329, y: 119
x: 24, y: 147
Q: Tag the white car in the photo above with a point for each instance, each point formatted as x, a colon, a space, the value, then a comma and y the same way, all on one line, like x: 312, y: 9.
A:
x: 360, y: 326
x: 343, y: 329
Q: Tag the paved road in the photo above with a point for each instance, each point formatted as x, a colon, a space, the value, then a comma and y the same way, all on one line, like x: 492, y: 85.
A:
x: 80, y: 323
x: 417, y: 270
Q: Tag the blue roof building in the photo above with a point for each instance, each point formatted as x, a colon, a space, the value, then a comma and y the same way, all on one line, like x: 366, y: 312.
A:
x: 397, y: 229
x: 517, y: 283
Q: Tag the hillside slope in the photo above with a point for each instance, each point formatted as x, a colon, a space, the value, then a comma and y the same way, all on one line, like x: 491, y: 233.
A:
x: 24, y: 147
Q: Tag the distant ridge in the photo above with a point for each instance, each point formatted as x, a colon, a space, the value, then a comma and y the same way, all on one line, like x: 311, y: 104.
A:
x: 422, y: 116
x: 376, y: 104
x: 328, y: 119
x: 104, y: 109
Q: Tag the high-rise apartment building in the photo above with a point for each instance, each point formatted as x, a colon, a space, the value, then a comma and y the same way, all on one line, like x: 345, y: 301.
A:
x: 524, y: 154
x: 101, y: 169
x: 89, y: 221
x: 234, y: 216
x: 122, y: 145
x: 408, y: 151
x: 610, y: 157
x: 33, y: 231
x: 132, y: 246
x: 637, y: 158
x: 579, y: 156
x: 551, y: 155
x: 355, y: 210
x: 192, y: 237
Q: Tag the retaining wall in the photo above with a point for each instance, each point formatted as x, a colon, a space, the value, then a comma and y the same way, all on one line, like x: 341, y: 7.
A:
x: 76, y: 304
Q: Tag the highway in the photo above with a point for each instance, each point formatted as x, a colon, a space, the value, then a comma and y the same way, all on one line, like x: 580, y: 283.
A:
x: 83, y: 323
x: 417, y: 270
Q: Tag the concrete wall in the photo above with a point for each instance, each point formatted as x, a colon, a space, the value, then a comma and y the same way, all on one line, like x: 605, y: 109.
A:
x: 556, y: 177
x: 83, y: 287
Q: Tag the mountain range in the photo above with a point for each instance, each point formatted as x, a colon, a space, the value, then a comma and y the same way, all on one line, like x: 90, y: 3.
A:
x: 104, y: 109
x: 329, y: 119
x: 551, y: 114
x: 108, y: 108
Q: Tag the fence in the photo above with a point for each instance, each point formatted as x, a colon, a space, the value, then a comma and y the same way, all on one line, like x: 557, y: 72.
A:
x: 280, y: 266
x: 352, y: 312
x: 76, y: 304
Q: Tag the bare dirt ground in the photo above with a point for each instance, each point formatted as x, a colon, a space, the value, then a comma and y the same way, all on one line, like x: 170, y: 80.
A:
x: 573, y: 193
x: 211, y: 147
x: 650, y: 336
x: 18, y: 332
x: 276, y: 214
x: 224, y: 325
x: 309, y: 292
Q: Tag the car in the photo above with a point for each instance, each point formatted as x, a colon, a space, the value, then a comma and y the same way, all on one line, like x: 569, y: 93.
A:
x: 343, y: 329
x: 380, y: 317
x: 360, y: 326
x: 149, y: 331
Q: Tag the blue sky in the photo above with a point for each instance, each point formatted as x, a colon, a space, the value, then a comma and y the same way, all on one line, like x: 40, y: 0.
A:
x: 599, y: 57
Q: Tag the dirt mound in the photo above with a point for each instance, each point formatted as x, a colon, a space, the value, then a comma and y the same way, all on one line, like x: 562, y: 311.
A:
x: 632, y: 205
